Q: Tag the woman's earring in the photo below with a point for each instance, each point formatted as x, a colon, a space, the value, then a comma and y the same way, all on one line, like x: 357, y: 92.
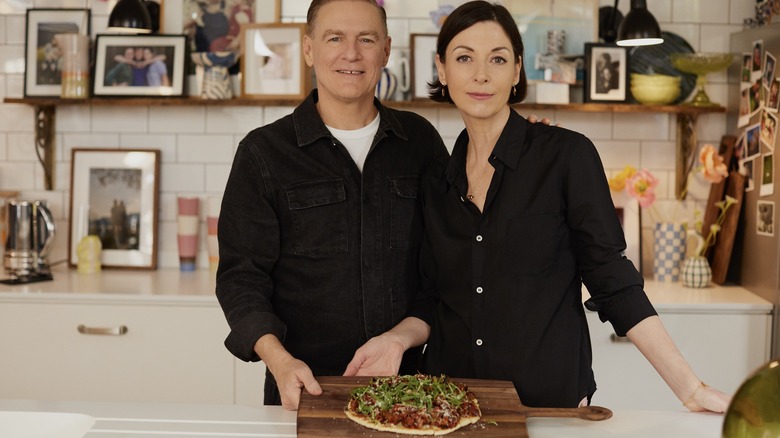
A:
x: 443, y: 92
x: 514, y: 91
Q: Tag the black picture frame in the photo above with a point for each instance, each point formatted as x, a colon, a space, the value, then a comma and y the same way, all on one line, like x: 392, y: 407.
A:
x: 606, y: 73
x: 43, y: 58
x: 168, y: 51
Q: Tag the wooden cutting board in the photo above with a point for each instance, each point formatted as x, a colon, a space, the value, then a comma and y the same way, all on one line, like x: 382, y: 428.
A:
x: 502, y: 413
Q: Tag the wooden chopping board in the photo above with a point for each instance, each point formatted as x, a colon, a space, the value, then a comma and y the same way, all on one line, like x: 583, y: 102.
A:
x: 502, y: 413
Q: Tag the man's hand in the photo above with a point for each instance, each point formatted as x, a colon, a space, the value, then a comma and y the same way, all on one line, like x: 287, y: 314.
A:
x: 533, y: 119
x: 380, y: 356
x: 290, y: 373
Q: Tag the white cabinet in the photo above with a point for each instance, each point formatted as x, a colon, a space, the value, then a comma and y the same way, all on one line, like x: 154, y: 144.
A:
x: 169, y: 353
x: 722, y: 348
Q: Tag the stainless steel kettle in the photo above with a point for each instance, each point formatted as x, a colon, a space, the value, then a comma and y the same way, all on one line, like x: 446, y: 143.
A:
x: 30, y: 229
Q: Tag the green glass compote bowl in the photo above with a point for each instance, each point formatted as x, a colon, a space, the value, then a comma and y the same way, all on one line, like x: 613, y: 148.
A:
x: 701, y: 64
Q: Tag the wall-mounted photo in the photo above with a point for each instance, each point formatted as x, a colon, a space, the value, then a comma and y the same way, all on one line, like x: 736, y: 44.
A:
x: 272, y: 61
x: 423, y: 65
x: 606, y: 78
x: 139, y: 65
x: 113, y: 195
x: 43, y: 54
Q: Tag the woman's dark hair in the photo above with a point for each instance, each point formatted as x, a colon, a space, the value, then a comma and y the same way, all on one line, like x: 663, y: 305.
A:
x: 465, y: 16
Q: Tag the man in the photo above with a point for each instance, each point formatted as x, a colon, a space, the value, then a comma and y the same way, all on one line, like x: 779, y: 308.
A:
x: 320, y: 224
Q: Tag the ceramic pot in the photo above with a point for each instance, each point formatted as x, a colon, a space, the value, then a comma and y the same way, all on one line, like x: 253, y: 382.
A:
x: 696, y: 272
x: 668, y: 251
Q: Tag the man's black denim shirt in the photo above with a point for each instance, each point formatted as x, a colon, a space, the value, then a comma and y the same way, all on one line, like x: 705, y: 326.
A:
x: 313, y: 251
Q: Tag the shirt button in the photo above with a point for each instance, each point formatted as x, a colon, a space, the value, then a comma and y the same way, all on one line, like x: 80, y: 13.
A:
x: 479, y: 238
x: 479, y: 342
x: 479, y: 290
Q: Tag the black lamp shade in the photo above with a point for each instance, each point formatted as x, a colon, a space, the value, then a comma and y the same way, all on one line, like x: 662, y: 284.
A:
x: 639, y: 27
x: 130, y: 16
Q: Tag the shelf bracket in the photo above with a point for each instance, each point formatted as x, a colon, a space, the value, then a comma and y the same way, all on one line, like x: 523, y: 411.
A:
x: 44, y: 141
x: 686, y: 149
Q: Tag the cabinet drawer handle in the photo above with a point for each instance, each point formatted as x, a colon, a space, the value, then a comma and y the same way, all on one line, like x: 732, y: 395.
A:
x: 109, y: 331
x: 615, y: 338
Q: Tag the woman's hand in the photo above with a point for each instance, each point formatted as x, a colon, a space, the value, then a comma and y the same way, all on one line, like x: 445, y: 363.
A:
x: 705, y: 398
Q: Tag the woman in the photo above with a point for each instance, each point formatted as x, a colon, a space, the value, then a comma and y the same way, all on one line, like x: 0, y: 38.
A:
x: 517, y: 219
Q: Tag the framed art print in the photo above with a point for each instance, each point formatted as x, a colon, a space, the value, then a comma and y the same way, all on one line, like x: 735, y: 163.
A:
x: 272, y: 61
x: 139, y: 65
x: 43, y: 56
x: 113, y: 195
x: 423, y: 64
x: 606, y: 73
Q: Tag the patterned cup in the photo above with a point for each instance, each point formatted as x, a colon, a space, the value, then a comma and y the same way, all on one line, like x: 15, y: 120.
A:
x: 669, y: 251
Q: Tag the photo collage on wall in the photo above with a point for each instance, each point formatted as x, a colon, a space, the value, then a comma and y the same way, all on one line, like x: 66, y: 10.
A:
x: 758, y: 120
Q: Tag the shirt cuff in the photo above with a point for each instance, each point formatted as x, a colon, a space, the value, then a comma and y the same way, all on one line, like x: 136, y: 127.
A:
x: 243, y: 336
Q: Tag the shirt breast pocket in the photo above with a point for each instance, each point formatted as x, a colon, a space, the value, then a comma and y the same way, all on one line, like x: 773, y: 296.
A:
x: 319, y: 216
x: 405, y: 220
x: 533, y: 242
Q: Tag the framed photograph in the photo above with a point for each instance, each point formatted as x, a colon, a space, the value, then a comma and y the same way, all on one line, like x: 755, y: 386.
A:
x: 606, y: 77
x: 627, y: 209
x: 43, y: 56
x: 139, y: 65
x: 765, y: 218
x: 423, y: 64
x: 272, y: 61
x: 113, y: 195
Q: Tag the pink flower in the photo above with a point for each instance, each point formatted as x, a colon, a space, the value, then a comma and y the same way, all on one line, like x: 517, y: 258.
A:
x: 712, y: 167
x: 642, y: 187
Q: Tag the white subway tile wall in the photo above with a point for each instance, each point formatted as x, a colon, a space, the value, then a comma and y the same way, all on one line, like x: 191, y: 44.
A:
x: 198, y: 143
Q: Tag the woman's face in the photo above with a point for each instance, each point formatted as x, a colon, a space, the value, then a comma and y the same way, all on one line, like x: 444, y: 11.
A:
x: 480, y: 70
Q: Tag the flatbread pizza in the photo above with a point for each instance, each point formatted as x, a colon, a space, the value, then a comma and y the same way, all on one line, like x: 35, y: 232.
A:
x: 413, y: 405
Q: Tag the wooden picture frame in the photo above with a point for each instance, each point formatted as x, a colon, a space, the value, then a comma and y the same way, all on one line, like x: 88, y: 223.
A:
x: 156, y: 69
x: 606, y: 73
x: 423, y: 63
x: 114, y: 195
x: 43, y: 57
x: 272, y: 64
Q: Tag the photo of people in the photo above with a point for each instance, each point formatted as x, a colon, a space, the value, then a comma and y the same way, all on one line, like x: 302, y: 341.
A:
x: 215, y: 25
x: 49, y: 54
x: 773, y: 96
x: 755, y: 96
x: 765, y: 218
x: 138, y: 66
x: 744, y: 108
x: 607, y: 74
x: 748, y: 166
x: 768, y: 129
x: 752, y: 140
x: 747, y: 59
x: 769, y: 68
x: 758, y: 51
x: 115, y: 207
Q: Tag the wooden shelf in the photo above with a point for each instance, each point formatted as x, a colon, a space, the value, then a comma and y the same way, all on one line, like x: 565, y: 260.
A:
x: 686, y: 119
x: 195, y: 101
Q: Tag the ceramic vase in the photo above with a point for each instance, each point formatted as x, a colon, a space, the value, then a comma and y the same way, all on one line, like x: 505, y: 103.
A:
x: 696, y: 272
x: 212, y: 218
x: 213, y: 73
x: 668, y: 251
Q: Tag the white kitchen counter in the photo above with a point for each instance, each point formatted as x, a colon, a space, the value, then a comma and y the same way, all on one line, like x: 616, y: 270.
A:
x: 170, y: 286
x: 120, y: 420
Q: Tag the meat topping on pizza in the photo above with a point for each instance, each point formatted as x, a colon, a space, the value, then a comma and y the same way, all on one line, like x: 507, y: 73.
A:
x: 415, y: 402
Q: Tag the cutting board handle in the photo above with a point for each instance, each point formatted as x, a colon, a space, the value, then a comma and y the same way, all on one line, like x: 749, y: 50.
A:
x: 592, y: 413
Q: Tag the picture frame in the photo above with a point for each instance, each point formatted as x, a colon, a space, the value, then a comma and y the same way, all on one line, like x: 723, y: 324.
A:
x: 422, y: 64
x: 43, y: 57
x: 606, y: 73
x: 156, y: 69
x: 272, y: 64
x: 114, y: 195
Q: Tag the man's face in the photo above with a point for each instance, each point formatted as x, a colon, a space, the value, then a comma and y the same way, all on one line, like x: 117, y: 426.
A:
x: 347, y: 47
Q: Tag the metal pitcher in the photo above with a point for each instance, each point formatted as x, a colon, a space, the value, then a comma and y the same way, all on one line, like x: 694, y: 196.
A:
x: 30, y: 229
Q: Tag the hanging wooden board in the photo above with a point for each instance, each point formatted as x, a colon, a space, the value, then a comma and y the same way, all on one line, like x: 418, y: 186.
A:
x: 724, y: 244
x: 711, y: 211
